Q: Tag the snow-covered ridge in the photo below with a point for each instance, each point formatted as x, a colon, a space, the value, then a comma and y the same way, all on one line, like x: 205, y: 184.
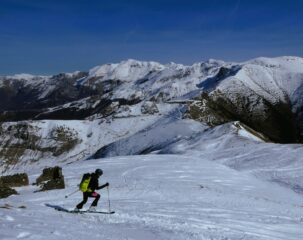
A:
x: 261, y: 82
x: 21, y: 76
x: 279, y: 77
x: 271, y: 77
x: 265, y: 93
x: 126, y: 70
x: 26, y: 79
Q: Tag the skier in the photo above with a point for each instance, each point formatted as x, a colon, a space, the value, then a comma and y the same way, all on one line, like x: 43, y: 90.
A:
x: 93, y: 184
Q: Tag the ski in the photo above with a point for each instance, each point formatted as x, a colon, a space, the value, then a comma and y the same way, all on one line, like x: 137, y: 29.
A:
x: 62, y: 209
x: 101, y: 212
x: 84, y: 211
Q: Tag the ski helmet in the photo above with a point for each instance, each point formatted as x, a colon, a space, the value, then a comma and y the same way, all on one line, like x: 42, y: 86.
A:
x: 99, y: 172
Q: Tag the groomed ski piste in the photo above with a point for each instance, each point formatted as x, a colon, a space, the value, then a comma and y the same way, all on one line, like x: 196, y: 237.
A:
x: 172, y: 196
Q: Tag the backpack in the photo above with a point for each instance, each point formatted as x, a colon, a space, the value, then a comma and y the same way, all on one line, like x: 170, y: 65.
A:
x: 85, y: 182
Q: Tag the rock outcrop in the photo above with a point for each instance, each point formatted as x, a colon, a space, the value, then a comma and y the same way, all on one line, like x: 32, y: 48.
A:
x: 16, y: 180
x: 51, y: 178
x: 9, y: 181
x: 6, y: 192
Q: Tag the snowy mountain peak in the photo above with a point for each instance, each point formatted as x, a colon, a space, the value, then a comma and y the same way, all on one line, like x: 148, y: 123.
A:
x: 215, y: 61
x: 128, y: 70
x: 22, y: 76
x: 290, y: 63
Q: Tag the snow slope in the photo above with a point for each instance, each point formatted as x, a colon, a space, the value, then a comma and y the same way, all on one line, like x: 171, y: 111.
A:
x: 275, y: 79
x: 186, y: 192
x: 90, y: 136
x: 229, y: 144
x: 159, y: 197
x: 238, y: 149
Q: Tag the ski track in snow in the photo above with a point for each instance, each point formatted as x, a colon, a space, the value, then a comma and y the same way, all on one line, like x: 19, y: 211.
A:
x: 159, y: 197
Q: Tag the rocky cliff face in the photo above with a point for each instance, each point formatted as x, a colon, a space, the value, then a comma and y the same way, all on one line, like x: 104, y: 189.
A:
x: 276, y: 121
x: 263, y: 93
x: 30, y: 142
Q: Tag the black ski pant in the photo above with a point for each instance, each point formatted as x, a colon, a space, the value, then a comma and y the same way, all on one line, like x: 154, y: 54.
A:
x: 86, y: 195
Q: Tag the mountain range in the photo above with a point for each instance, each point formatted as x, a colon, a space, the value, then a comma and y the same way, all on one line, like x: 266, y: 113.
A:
x: 207, y: 151
x: 72, y: 116
x: 263, y: 93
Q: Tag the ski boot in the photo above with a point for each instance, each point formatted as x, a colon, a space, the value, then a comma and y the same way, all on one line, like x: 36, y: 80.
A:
x: 92, y: 209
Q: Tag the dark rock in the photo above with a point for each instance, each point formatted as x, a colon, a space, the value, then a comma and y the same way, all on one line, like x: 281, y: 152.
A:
x: 6, y: 192
x: 53, y: 184
x: 51, y: 178
x: 49, y: 174
x: 16, y: 180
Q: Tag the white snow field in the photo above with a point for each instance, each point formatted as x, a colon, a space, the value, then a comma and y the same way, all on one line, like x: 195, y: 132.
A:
x: 158, y: 197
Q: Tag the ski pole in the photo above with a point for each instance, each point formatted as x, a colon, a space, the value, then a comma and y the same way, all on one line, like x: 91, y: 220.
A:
x: 71, y: 193
x: 108, y: 199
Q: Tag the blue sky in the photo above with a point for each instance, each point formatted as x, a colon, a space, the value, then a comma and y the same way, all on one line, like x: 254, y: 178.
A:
x: 52, y: 36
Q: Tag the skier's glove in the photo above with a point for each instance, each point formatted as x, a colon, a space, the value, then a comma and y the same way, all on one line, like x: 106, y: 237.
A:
x: 106, y: 184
